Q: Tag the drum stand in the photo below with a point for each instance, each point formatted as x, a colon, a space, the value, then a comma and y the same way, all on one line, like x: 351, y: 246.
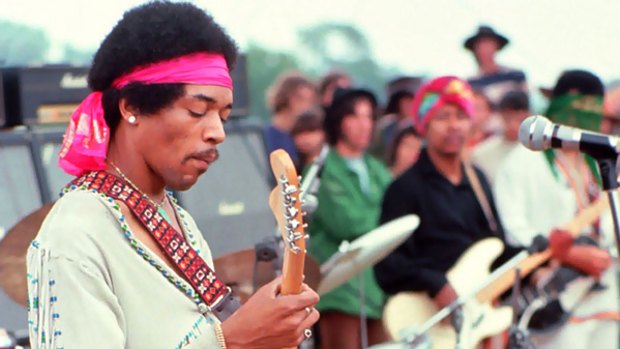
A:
x: 363, y: 318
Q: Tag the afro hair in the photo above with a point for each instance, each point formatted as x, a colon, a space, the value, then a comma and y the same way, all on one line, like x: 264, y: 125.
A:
x: 147, y: 34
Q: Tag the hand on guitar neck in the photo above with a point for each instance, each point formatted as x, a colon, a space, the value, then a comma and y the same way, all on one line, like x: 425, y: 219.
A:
x: 585, y: 258
x: 269, y: 320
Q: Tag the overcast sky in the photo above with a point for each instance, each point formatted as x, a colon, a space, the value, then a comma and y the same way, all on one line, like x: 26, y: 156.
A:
x: 413, y: 35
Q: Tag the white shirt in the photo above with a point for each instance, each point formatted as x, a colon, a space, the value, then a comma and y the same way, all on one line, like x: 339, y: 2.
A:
x: 89, y: 288
x: 489, y: 154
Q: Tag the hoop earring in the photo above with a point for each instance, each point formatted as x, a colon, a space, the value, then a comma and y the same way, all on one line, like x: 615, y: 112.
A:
x: 131, y: 119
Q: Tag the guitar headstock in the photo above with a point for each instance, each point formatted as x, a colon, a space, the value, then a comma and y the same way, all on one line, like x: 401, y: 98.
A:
x: 285, y: 203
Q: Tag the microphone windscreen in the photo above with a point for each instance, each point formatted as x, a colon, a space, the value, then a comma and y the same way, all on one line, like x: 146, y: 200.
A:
x: 532, y: 132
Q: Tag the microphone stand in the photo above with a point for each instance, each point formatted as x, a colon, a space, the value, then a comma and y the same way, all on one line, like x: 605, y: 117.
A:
x: 609, y: 181
x: 609, y: 177
x: 518, y: 334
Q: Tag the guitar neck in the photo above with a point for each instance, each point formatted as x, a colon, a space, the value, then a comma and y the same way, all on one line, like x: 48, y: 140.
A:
x: 585, y: 217
x: 292, y: 272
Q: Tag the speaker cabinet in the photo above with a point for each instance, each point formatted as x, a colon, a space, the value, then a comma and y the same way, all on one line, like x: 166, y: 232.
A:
x: 46, y: 144
x: 20, y: 191
x: 20, y: 194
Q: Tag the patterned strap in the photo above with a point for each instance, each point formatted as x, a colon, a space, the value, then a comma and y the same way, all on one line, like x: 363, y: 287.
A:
x: 204, y: 281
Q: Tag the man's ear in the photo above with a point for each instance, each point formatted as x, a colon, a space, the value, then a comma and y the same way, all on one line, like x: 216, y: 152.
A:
x: 129, y: 113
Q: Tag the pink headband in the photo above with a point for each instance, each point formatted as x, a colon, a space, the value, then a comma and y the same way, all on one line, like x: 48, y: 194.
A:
x: 85, y: 144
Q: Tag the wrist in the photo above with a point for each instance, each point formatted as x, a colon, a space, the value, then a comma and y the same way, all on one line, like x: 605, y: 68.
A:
x: 228, y: 333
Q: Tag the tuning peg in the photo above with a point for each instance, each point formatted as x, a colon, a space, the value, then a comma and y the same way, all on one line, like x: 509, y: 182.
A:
x: 290, y: 200
x: 293, y: 224
x: 291, y: 212
x: 289, y: 189
x: 294, y: 248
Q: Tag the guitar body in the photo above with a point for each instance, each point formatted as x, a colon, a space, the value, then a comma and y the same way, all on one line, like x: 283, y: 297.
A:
x: 409, y: 309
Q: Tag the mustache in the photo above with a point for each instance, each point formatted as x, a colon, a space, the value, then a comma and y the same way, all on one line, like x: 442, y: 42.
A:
x: 211, y: 154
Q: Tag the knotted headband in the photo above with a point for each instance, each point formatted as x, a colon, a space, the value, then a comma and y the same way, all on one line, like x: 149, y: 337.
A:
x: 86, y: 140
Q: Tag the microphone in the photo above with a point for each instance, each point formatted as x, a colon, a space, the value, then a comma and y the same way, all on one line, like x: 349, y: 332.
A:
x: 310, y: 185
x: 538, y: 133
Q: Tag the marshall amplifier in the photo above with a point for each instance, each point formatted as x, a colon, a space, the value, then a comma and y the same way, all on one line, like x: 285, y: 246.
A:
x: 43, y: 95
x: 241, y: 103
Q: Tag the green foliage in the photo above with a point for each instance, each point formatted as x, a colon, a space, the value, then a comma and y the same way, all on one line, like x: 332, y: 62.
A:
x: 21, y: 44
x: 264, y: 66
x: 322, y: 48
x: 75, y: 56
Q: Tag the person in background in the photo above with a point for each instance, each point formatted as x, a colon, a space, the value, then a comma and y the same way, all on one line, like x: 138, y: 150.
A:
x: 537, y: 192
x: 329, y: 83
x: 396, y: 116
x: 404, y: 151
x: 611, y: 112
x: 308, y: 136
x: 288, y: 97
x: 513, y: 108
x: 483, y: 114
x: 439, y: 190
x: 349, y: 199
x: 492, y: 79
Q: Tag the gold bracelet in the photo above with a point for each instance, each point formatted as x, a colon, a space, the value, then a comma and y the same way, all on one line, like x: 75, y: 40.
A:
x: 219, y: 335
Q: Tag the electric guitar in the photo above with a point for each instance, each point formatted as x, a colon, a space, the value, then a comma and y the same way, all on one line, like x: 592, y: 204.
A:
x: 285, y: 204
x: 406, y: 310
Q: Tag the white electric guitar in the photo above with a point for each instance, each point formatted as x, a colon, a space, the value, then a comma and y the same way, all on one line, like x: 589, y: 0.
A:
x: 406, y: 310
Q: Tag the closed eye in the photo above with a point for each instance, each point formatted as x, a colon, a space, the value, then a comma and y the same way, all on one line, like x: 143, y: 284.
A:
x: 196, y: 114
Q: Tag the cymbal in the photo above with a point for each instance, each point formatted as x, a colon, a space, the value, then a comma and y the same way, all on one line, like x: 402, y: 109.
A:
x: 13, y: 250
x: 365, y: 251
x: 237, y: 270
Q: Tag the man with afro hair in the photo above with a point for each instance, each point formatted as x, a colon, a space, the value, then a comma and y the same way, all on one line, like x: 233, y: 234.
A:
x: 117, y: 263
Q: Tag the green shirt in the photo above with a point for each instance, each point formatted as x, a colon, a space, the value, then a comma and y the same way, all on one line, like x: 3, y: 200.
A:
x: 346, y: 212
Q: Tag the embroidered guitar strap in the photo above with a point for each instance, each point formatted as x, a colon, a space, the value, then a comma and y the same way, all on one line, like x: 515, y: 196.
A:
x: 204, y: 280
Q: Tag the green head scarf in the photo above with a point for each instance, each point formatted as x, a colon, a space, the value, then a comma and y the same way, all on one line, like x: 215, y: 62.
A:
x: 577, y: 110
